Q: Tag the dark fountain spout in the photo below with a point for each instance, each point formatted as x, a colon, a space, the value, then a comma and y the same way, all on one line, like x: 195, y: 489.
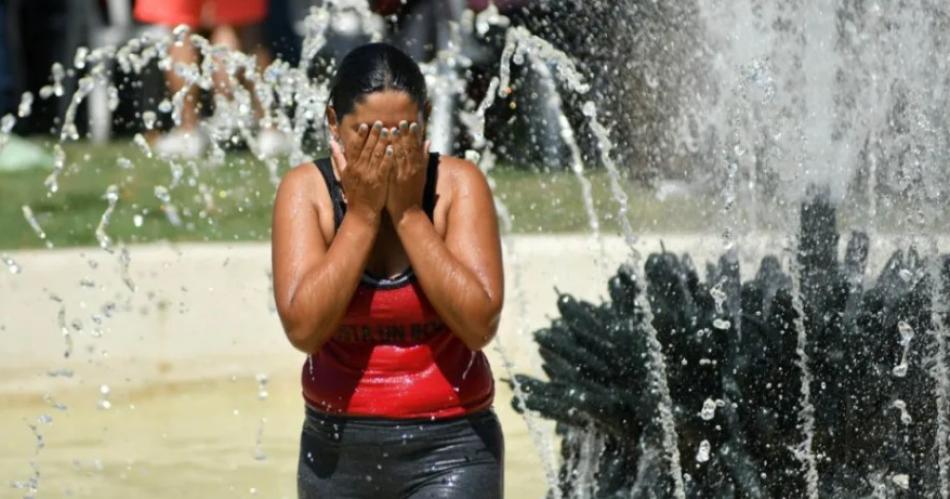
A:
x: 873, y: 354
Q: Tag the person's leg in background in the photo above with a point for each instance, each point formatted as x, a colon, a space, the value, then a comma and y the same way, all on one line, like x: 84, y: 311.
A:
x: 270, y: 140
x: 185, y: 139
x: 184, y: 53
x: 239, y: 26
x: 236, y: 24
x: 239, y: 38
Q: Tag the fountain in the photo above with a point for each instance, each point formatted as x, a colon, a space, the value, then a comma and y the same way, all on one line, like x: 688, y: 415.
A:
x: 793, y: 383
x: 864, y: 396
x: 807, y: 379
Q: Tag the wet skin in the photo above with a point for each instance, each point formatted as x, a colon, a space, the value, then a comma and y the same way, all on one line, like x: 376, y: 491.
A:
x: 380, y: 158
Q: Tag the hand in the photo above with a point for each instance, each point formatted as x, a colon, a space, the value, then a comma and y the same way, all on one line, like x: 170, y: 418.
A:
x: 408, y: 175
x: 365, y: 172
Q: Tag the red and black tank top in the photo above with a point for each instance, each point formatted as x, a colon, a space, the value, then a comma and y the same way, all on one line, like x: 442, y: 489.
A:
x: 392, y: 356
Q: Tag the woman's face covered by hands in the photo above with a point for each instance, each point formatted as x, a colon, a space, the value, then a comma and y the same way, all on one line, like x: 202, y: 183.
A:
x: 390, y: 107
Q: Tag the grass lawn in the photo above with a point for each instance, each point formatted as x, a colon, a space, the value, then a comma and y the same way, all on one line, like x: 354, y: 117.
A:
x: 233, y: 201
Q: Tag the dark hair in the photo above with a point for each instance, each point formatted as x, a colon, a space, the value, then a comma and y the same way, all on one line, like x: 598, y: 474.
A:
x: 373, y: 68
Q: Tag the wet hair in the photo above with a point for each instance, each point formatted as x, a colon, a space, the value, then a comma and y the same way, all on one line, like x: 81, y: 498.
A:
x: 375, y: 67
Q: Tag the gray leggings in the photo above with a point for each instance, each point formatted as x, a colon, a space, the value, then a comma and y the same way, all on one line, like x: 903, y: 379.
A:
x: 377, y: 458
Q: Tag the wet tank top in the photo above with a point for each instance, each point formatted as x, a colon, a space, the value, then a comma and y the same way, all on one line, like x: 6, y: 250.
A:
x: 392, y: 356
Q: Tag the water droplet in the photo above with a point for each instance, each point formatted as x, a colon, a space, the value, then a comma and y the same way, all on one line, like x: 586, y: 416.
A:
x: 589, y: 109
x: 112, y: 98
x: 140, y: 141
x: 148, y: 119
x: 11, y: 264
x: 35, y: 224
x: 80, y: 59
x: 902, y: 480
x: 721, y: 324
x: 7, y: 123
x: 906, y: 332
x: 161, y: 192
x: 901, y: 406
x: 261, y: 386
x: 124, y: 163
x: 26, y: 105
x: 708, y: 412
x: 702, y: 454
x: 60, y: 373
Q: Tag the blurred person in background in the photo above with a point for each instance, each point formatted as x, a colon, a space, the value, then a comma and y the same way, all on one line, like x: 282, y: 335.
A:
x: 6, y: 72
x: 236, y: 24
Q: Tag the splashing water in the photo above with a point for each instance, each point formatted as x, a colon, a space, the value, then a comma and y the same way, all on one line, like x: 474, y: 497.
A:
x: 261, y: 386
x: 104, y: 403
x: 760, y: 135
x: 11, y: 264
x: 112, y: 196
x: 805, y: 452
x: 259, y: 454
x: 35, y: 225
x: 568, y: 75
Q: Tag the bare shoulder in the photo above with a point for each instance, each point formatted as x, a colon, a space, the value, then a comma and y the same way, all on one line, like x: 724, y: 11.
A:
x: 303, y: 200
x: 299, y: 179
x: 464, y: 177
x: 303, y: 183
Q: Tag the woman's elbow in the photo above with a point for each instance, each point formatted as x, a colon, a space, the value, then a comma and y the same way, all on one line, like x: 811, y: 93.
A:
x: 301, y: 341
x: 477, y: 342
x: 479, y: 337
x: 302, y: 335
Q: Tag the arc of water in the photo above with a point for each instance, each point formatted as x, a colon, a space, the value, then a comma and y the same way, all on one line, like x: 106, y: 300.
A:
x: 806, y: 414
x: 112, y: 196
x: 475, y: 123
x: 556, y: 108
x: 521, y: 42
x: 35, y: 224
x: 657, y: 358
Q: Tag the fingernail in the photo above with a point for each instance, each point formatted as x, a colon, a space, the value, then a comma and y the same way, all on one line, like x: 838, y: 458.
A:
x: 395, y: 132
x: 363, y: 127
x: 377, y: 125
x: 383, y: 134
x: 404, y: 125
x: 389, y: 150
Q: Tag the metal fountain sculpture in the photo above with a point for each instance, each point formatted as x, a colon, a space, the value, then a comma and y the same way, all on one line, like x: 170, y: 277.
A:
x: 874, y: 416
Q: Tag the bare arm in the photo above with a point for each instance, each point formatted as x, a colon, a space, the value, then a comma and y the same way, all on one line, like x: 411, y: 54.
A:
x: 462, y: 276
x: 313, y: 281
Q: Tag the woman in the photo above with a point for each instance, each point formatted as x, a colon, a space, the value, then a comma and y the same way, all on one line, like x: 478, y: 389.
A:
x: 388, y: 274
